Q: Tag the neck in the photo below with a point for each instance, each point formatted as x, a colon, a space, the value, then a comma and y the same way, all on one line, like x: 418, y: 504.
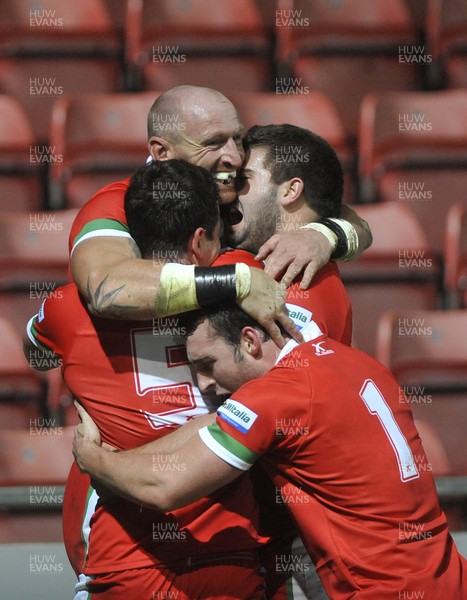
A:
x: 163, y: 257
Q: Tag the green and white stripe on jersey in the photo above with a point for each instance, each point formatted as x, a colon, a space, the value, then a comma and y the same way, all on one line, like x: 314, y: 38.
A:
x: 227, y: 448
x: 101, y: 227
x: 33, y: 336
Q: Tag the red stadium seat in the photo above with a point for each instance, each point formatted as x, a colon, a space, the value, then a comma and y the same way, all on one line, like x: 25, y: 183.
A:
x: 313, y: 111
x: 34, y: 465
x: 117, y: 10
x: 39, y: 456
x: 398, y: 270
x: 48, y: 50
x: 101, y: 138
x: 224, y: 45
x: 21, y: 169
x: 24, y: 392
x: 455, y: 256
x: 439, y: 465
x: 417, y: 344
x: 18, y: 382
x: 18, y: 307
x: 34, y: 250
x: 413, y: 148
x: 446, y: 28
x: 434, y: 449
x: 395, y: 125
x: 23, y: 527
x: 427, y: 353
x: 347, y: 49
x: 19, y: 414
x: 418, y: 13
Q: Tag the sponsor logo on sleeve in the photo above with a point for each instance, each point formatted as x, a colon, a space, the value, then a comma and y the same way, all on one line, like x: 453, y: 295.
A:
x: 300, y: 316
x: 41, y: 313
x: 237, y: 415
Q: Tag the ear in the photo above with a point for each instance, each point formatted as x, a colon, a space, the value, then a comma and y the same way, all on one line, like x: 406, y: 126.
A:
x: 290, y: 192
x: 251, y: 342
x: 159, y: 148
x: 196, y: 245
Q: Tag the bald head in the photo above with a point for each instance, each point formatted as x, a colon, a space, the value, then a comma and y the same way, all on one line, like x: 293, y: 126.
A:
x: 180, y: 105
x: 199, y: 125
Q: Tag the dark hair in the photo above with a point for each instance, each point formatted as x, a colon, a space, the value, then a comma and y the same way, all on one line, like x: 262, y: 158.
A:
x: 297, y: 152
x: 166, y: 202
x: 225, y: 320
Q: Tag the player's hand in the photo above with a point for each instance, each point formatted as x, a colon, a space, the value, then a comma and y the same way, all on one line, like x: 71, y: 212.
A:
x: 86, y: 441
x: 266, y: 304
x: 84, y: 450
x: 87, y: 447
x: 287, y: 255
x: 87, y: 427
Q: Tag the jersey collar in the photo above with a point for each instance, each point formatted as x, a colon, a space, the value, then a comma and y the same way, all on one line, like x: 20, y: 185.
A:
x: 309, y: 332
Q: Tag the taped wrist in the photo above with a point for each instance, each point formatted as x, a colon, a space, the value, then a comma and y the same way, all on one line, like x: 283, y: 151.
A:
x: 216, y: 285
x: 186, y: 287
x: 328, y: 234
x: 347, y: 238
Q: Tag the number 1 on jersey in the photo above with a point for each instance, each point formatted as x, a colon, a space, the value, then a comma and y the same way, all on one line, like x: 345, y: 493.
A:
x: 377, y: 405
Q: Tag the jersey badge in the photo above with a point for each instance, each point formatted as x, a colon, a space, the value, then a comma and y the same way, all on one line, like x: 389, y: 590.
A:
x: 319, y: 350
x: 238, y: 415
x: 300, y: 316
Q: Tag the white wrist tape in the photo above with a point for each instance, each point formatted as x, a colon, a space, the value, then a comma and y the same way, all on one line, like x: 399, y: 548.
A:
x: 351, y: 237
x: 177, y: 291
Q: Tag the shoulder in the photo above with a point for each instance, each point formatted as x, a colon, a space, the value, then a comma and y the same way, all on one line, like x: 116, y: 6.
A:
x: 64, y: 304
x: 105, y: 210
x: 231, y: 256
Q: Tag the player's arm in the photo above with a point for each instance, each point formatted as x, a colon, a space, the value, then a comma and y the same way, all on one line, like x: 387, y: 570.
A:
x: 163, y: 445
x: 196, y: 472
x: 307, y: 250
x: 117, y: 283
x: 113, y: 278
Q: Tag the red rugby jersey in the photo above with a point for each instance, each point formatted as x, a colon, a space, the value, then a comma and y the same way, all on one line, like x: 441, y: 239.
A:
x: 334, y: 432
x: 135, y: 381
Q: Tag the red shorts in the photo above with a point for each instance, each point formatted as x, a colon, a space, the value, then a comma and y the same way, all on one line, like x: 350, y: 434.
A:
x: 238, y: 579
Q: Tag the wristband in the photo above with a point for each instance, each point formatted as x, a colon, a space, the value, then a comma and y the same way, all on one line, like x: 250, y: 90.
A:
x: 326, y: 231
x: 347, y: 238
x: 186, y: 287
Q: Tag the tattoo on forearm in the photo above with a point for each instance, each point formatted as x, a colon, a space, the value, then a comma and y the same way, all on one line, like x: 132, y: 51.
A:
x: 101, y: 300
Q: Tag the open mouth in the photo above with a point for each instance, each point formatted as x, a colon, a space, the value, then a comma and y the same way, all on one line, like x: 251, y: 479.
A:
x: 231, y: 214
x: 225, y: 178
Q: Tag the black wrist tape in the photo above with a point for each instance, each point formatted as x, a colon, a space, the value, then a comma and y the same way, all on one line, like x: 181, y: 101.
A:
x: 342, y: 245
x: 215, y: 285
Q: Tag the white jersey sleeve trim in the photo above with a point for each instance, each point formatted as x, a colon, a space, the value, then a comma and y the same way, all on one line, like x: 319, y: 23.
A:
x: 29, y: 332
x: 101, y: 233
x: 222, y: 452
